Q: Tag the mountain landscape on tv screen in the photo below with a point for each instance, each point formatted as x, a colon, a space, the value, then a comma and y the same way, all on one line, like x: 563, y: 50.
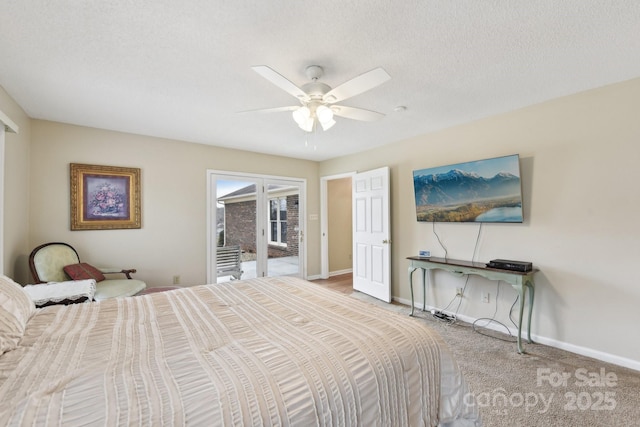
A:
x: 461, y: 196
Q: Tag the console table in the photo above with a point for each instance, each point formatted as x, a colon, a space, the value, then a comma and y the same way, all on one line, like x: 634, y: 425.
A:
x: 518, y: 280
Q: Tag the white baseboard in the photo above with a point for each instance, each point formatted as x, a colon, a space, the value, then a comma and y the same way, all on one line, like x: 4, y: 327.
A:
x: 339, y: 272
x: 331, y: 274
x: 589, y: 352
x: 583, y: 351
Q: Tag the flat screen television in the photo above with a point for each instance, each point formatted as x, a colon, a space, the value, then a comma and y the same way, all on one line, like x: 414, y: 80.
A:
x: 479, y: 191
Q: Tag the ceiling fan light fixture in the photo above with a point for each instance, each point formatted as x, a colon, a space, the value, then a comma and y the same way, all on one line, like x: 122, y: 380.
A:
x: 301, y: 115
x: 328, y: 124
x: 324, y: 114
x: 307, y: 125
x: 318, y: 99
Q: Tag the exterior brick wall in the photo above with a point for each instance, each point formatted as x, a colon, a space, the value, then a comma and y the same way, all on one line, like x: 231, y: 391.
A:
x: 293, y: 225
x: 240, y: 227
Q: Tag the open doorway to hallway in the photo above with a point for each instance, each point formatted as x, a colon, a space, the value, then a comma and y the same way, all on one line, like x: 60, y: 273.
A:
x: 337, y: 229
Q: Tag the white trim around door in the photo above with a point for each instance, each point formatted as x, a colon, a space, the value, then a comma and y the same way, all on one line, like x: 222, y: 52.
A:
x: 6, y: 125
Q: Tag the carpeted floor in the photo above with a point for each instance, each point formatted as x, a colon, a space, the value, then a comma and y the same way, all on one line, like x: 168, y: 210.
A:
x: 544, y: 387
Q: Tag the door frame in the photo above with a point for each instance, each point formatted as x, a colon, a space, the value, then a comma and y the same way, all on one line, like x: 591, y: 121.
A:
x: 261, y: 220
x: 324, y: 220
x: 6, y: 125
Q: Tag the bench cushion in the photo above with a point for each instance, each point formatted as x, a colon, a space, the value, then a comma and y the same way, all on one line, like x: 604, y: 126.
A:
x: 118, y: 288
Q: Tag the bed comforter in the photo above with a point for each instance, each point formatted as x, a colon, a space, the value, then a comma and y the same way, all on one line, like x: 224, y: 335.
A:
x: 272, y: 351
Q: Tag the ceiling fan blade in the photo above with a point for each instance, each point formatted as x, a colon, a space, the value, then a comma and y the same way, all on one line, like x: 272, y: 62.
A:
x: 271, y: 110
x: 356, y: 113
x: 357, y: 85
x: 280, y: 81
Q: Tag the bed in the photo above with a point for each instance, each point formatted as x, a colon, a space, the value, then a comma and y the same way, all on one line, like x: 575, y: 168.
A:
x: 267, y: 351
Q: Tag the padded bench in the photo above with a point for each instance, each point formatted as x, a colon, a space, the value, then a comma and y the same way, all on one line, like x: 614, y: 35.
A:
x: 228, y: 261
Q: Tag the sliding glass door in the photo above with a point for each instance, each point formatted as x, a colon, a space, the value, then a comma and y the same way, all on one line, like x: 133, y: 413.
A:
x: 235, y: 245
x: 284, y: 235
x: 255, y: 226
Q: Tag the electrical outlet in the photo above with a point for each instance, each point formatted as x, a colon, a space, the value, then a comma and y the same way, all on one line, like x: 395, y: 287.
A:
x: 176, y: 280
x: 485, y: 297
x: 458, y: 292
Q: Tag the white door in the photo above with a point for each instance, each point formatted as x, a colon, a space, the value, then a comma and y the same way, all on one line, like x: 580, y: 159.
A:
x: 284, y: 231
x: 371, y: 234
x: 263, y: 216
x: 235, y: 223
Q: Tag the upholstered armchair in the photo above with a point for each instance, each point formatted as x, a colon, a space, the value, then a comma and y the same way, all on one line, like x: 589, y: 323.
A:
x: 59, y: 262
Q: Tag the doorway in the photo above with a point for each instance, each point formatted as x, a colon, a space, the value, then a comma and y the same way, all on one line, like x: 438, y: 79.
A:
x: 337, y: 225
x: 370, y: 242
x: 255, y: 226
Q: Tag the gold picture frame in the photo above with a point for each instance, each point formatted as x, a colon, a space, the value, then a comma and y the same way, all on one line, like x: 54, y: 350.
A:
x: 104, y: 197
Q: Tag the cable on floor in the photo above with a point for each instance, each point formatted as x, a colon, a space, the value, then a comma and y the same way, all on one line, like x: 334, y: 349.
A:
x: 493, y: 320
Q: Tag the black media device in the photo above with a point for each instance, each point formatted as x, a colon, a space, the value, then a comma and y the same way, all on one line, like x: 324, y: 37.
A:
x: 505, y: 264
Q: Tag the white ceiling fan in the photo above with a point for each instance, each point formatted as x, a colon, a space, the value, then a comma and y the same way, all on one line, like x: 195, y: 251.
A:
x: 318, y: 100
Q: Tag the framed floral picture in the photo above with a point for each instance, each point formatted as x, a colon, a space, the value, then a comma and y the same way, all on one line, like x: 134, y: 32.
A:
x: 104, y: 197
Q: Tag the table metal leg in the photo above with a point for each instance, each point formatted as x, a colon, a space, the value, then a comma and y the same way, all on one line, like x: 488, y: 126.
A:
x: 424, y: 288
x: 411, y: 270
x: 531, y: 291
x: 522, y: 295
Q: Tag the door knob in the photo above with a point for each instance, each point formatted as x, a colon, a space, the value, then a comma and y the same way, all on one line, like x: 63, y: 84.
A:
x: 386, y: 242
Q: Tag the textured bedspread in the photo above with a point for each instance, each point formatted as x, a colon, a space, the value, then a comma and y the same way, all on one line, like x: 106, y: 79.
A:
x: 273, y: 351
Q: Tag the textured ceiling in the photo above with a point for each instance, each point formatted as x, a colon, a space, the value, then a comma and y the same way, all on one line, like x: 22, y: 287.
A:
x: 181, y: 69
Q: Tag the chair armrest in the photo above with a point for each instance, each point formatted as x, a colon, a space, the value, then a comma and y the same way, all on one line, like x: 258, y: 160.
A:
x: 70, y: 292
x: 112, y: 270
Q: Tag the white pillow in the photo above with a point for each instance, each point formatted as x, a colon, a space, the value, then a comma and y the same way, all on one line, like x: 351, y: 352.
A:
x: 16, y: 308
x: 70, y: 292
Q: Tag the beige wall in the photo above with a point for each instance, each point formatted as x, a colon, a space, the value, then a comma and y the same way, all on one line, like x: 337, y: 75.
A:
x: 16, y: 191
x: 579, y: 162
x: 173, y: 238
x: 339, y: 224
x: 579, y: 158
